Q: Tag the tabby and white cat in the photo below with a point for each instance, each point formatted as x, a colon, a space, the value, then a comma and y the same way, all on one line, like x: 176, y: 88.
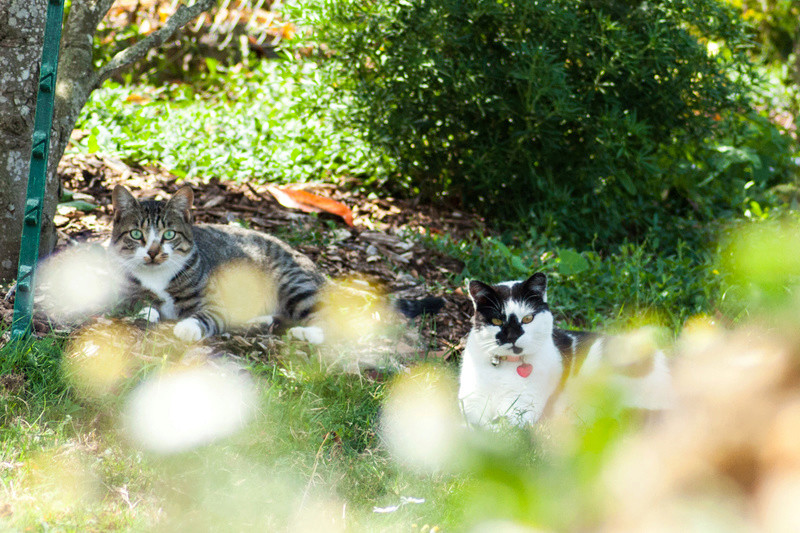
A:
x: 516, y: 364
x: 166, y: 255
x: 175, y: 262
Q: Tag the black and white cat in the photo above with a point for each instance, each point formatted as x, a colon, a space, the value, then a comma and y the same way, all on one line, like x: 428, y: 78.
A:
x: 516, y: 365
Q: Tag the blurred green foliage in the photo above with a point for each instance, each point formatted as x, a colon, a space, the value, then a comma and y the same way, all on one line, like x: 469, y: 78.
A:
x: 594, y: 121
x: 777, y: 24
x: 761, y: 259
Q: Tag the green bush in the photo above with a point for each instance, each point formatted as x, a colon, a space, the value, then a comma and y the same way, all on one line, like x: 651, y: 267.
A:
x: 574, y: 116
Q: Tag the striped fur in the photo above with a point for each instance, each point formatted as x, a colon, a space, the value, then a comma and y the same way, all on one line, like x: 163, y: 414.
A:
x: 174, y: 261
x: 517, y: 365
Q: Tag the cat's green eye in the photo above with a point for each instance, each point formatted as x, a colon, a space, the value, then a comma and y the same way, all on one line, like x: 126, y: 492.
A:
x: 136, y: 234
x: 497, y: 322
x: 527, y: 319
x: 169, y: 235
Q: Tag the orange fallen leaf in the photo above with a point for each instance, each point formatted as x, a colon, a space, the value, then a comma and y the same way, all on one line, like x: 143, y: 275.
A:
x: 310, y: 203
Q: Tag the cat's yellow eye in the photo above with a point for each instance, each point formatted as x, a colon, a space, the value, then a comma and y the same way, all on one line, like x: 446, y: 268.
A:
x: 497, y: 322
x: 169, y: 235
x: 527, y: 319
x: 137, y: 234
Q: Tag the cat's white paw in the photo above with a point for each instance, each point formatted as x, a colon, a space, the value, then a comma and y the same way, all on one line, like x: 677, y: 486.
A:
x: 150, y: 314
x: 263, y: 320
x: 310, y: 334
x: 188, y: 330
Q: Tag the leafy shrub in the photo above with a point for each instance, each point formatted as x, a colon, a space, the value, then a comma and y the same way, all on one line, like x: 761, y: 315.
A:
x: 571, y: 115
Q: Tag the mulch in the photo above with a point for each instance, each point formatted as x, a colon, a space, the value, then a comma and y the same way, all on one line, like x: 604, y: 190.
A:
x: 378, y: 248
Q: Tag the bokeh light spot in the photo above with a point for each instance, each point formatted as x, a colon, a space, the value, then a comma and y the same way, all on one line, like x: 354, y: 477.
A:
x: 243, y: 292
x: 352, y: 310
x: 99, y: 357
x: 79, y: 282
x: 183, y: 409
x: 421, y: 423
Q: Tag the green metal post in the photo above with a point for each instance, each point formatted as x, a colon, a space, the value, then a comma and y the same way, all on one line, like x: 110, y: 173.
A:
x: 37, y: 176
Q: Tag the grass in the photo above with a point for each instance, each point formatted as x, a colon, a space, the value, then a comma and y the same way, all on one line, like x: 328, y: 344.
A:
x: 69, y: 464
x: 311, y: 457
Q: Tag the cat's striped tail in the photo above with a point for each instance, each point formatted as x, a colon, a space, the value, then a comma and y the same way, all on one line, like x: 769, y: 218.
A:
x: 422, y: 306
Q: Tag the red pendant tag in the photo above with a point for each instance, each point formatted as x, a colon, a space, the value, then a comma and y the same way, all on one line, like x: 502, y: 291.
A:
x: 524, y: 370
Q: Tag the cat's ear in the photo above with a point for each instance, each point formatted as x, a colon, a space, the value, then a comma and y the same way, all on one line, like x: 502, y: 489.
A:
x: 536, y: 284
x: 182, y: 202
x: 122, y: 200
x: 481, y: 293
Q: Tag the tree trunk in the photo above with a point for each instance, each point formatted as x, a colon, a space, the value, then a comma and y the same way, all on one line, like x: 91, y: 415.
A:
x: 21, y: 38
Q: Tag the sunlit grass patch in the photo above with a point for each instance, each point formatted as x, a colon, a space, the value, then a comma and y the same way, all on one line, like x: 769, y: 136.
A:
x: 306, y: 440
x: 57, y: 471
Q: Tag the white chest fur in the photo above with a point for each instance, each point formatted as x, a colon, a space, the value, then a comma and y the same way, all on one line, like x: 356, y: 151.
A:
x: 156, y: 279
x: 487, y: 392
x: 157, y: 282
